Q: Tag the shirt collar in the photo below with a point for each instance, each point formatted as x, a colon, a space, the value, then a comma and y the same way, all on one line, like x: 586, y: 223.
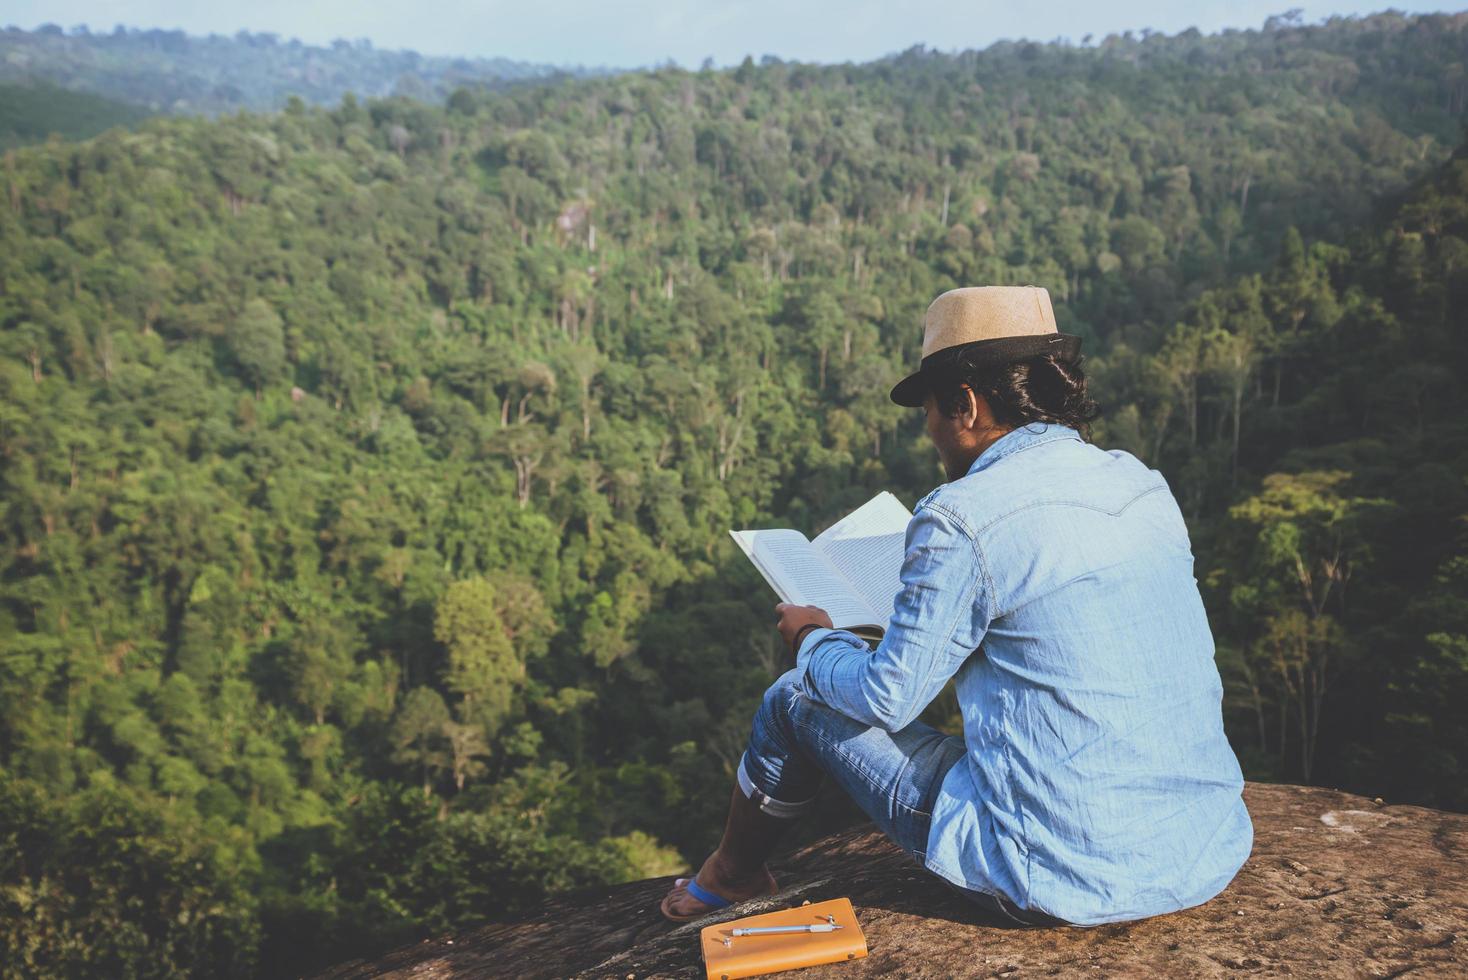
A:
x: 1033, y: 434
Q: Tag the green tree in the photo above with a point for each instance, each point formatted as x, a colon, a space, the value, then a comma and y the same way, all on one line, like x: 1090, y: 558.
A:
x: 418, y: 732
x: 1305, y: 541
x: 484, y: 668
x: 257, y: 340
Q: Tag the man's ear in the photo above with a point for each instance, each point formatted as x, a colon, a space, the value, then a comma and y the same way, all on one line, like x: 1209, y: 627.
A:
x: 973, y: 414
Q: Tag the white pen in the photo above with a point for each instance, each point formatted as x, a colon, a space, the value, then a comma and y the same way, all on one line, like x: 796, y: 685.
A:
x: 778, y: 930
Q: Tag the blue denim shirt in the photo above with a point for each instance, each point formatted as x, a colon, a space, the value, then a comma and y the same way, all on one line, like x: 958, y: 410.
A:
x: 1055, y: 582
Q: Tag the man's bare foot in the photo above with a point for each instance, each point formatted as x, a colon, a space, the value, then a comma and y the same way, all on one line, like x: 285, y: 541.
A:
x: 715, y: 876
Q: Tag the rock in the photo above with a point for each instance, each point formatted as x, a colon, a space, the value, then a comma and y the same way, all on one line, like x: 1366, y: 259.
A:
x: 1337, y: 886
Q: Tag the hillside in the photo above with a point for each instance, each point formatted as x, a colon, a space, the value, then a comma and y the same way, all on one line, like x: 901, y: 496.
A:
x: 174, y: 72
x: 1337, y: 886
x: 31, y: 113
x: 366, y: 471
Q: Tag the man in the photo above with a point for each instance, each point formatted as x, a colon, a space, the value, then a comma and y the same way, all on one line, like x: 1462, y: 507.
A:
x: 1054, y: 582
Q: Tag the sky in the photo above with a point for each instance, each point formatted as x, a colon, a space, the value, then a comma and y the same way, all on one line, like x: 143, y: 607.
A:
x: 641, y: 33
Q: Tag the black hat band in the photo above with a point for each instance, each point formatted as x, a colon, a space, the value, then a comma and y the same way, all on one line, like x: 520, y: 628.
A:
x: 981, y: 354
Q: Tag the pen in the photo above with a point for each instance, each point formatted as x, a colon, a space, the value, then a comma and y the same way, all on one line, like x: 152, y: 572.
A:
x: 779, y: 930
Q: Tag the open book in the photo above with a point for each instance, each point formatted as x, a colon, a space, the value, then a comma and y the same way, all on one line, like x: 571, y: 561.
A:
x: 852, y: 570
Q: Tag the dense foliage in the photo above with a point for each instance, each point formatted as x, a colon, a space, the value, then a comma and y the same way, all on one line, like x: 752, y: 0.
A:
x: 366, y: 473
x: 31, y: 113
x: 170, y: 71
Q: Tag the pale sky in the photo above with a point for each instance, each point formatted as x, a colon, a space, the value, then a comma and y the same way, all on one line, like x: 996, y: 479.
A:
x: 644, y: 32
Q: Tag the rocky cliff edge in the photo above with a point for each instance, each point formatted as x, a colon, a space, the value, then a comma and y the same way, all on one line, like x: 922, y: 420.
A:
x: 1337, y: 886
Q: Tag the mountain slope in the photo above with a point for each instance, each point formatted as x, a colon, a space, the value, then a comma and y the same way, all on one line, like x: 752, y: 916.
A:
x: 31, y: 113
x: 174, y: 72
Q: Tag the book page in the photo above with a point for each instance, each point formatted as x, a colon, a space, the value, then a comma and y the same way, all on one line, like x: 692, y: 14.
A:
x: 866, y: 547
x: 783, y: 584
x: 799, y: 573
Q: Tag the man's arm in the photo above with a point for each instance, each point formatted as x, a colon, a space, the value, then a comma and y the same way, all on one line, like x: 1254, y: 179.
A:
x: 938, y: 620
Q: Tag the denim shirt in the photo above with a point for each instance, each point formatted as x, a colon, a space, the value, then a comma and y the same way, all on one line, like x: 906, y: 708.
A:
x: 1054, y: 582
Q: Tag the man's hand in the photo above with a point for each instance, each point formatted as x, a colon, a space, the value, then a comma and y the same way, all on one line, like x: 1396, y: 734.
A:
x: 793, y: 618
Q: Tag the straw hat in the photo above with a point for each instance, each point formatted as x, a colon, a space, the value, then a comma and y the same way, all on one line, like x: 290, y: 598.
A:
x: 988, y: 325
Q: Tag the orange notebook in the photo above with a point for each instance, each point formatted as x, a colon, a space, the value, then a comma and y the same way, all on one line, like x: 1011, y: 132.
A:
x: 729, y: 957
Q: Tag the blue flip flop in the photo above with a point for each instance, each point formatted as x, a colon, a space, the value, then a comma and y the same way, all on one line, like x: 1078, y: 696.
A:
x: 714, y: 902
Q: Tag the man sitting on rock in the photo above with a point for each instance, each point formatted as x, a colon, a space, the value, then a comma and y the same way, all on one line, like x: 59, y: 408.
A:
x: 1053, y: 581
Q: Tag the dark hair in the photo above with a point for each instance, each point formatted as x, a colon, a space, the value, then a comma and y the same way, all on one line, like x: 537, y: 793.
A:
x: 1037, y: 389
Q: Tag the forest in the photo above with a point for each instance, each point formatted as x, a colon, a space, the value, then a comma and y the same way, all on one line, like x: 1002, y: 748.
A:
x: 366, y: 470
x: 170, y: 71
x: 33, y: 113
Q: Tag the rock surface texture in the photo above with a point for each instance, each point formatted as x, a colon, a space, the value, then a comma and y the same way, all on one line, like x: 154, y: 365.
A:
x: 1337, y: 886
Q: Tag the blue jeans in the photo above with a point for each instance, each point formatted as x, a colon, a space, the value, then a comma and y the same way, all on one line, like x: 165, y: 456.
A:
x: 892, y: 776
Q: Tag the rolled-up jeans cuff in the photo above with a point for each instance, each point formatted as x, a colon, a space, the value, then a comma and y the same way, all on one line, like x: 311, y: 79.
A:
x: 767, y: 803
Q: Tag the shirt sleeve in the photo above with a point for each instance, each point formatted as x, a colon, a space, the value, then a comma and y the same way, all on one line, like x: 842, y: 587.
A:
x: 939, y: 618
